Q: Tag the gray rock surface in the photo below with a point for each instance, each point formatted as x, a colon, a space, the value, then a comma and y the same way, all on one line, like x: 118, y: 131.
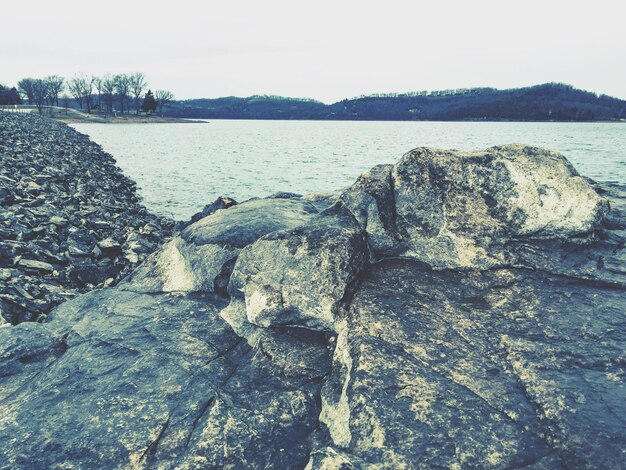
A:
x: 197, y: 259
x: 357, y: 337
x: 452, y: 209
x: 300, y: 277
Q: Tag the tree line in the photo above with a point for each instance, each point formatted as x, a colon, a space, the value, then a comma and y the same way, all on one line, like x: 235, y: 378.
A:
x: 109, y: 93
x: 546, y: 102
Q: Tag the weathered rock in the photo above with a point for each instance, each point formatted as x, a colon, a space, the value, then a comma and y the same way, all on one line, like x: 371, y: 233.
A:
x: 195, y: 260
x: 220, y: 203
x: 487, y: 370
x: 110, y: 247
x: 60, y: 221
x: 299, y: 277
x: 461, y: 209
x: 34, y: 264
x: 342, y: 344
x: 245, y: 223
x: 162, y: 381
x: 180, y: 267
x: 371, y: 200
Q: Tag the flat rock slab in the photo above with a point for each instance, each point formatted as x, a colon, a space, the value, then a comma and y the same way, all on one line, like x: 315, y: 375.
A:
x: 487, y: 370
x: 154, y: 379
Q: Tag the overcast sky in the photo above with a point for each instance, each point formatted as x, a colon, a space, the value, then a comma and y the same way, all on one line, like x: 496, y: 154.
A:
x: 321, y: 49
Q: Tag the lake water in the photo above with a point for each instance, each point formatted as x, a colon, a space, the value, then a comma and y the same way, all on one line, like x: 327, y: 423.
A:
x: 181, y: 167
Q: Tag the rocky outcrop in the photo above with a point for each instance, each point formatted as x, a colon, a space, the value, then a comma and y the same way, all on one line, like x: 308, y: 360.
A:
x: 404, y: 326
x: 454, y: 210
x: 201, y: 257
x: 299, y: 277
x: 69, y: 219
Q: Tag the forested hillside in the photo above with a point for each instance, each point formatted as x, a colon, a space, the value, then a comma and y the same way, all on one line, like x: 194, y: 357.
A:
x: 548, y: 102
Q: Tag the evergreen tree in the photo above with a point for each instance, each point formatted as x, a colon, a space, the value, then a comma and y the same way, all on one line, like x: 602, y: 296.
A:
x: 149, y: 103
x: 9, y: 96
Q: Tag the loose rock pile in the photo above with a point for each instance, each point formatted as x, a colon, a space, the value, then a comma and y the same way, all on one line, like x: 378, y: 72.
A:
x: 69, y: 219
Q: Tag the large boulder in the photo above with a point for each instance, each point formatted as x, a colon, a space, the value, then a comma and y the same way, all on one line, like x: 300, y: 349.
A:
x: 478, y: 369
x: 299, y: 277
x: 120, y: 379
x: 202, y: 256
x: 462, y: 209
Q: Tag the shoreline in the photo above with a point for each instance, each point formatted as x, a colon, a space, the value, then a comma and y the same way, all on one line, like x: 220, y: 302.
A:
x: 127, y: 120
x: 70, y: 219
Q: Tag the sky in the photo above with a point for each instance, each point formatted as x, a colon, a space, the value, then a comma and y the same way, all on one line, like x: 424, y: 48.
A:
x: 326, y: 50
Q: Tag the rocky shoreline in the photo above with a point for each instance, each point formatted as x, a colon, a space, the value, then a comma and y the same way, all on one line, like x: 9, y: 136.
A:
x: 454, y: 310
x: 70, y: 221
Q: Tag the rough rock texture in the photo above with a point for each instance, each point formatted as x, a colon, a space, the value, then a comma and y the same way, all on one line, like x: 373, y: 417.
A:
x: 341, y: 339
x: 200, y: 257
x: 69, y: 219
x: 453, y: 209
x: 299, y: 277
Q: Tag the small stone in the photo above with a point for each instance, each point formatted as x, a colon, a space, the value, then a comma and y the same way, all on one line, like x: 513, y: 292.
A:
x: 132, y: 237
x: 34, y: 264
x: 23, y: 292
x: 58, y: 221
x: 100, y: 224
x: 110, y: 247
x: 77, y: 252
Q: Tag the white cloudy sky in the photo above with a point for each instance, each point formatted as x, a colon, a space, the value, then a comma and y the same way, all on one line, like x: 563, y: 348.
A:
x: 322, y: 49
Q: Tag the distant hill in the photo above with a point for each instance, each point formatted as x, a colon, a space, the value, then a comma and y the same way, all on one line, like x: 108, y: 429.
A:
x: 547, y: 102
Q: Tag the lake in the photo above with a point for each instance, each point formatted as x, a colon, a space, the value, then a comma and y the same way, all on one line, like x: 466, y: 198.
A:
x: 181, y: 167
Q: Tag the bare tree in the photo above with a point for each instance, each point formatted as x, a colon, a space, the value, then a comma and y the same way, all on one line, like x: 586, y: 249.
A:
x: 163, y: 98
x: 81, y: 88
x: 107, y: 82
x: 76, y: 87
x: 87, y: 84
x: 66, y: 102
x: 40, y: 91
x: 122, y: 87
x: 138, y: 86
x: 55, y: 87
x: 25, y: 86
